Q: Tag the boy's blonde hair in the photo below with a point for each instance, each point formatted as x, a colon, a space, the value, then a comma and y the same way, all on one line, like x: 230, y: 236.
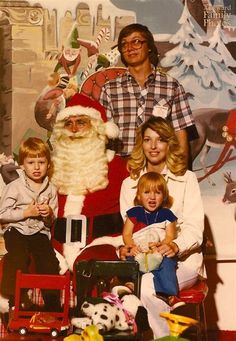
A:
x: 33, y: 147
x: 152, y: 181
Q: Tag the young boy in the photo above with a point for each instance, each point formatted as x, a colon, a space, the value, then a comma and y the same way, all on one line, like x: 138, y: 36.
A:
x: 28, y: 207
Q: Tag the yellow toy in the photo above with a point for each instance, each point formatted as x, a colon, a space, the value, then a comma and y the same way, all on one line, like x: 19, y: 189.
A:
x: 90, y: 333
x: 177, y: 325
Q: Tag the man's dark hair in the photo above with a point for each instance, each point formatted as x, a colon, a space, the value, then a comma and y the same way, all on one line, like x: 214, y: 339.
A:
x: 129, y: 29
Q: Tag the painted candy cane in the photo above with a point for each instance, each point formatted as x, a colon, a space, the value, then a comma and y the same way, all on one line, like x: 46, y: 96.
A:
x: 103, y: 34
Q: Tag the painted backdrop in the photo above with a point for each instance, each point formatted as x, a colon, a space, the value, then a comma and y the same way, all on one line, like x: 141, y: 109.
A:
x: 50, y: 48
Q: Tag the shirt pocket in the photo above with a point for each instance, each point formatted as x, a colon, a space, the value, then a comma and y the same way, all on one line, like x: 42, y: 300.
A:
x: 161, y: 108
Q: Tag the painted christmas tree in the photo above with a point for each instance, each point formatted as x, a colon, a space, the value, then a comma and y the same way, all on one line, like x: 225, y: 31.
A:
x: 217, y: 42
x: 202, y: 67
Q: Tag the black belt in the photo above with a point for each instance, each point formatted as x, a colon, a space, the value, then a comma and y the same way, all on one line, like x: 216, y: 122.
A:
x: 97, y: 226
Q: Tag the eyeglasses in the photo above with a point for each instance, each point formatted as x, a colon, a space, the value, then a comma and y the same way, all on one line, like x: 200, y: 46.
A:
x: 134, y: 44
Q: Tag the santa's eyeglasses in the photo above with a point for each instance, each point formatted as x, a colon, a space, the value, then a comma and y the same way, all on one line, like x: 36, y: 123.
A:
x: 135, y: 44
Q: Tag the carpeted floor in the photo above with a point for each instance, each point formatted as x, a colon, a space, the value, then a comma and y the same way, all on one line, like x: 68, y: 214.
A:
x: 212, y: 336
x: 222, y: 335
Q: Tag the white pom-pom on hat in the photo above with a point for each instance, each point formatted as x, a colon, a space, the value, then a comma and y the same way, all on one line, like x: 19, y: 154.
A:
x: 111, y: 129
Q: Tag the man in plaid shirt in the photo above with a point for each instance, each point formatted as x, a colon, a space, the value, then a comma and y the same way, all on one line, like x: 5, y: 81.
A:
x: 143, y: 91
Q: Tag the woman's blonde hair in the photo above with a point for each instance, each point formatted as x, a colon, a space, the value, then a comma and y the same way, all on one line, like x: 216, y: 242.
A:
x: 34, y: 147
x: 153, y: 181
x: 176, y: 161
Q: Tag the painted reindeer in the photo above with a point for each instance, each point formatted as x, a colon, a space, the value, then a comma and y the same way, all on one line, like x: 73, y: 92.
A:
x: 210, y: 124
x: 230, y: 191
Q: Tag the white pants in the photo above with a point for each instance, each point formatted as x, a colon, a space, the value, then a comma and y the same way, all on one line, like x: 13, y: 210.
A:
x: 186, y: 278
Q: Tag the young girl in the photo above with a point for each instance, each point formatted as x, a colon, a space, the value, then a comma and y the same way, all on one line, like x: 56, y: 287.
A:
x: 28, y: 207
x: 151, y: 221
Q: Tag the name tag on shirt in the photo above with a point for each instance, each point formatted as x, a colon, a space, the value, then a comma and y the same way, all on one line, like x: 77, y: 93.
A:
x: 160, y: 110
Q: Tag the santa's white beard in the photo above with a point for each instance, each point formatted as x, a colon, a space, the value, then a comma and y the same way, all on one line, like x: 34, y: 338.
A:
x: 80, y: 164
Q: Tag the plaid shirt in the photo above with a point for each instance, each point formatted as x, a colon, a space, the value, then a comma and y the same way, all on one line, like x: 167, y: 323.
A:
x: 129, y: 105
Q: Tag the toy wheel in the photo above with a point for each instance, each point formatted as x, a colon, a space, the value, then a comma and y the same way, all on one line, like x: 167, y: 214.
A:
x: 54, y: 333
x: 23, y: 331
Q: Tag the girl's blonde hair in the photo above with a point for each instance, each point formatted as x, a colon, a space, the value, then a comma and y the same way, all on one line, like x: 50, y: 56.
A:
x: 176, y: 161
x: 153, y: 181
x: 34, y: 147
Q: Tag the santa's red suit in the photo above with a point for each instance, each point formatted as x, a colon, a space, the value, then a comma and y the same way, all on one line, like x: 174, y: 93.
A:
x: 102, y: 208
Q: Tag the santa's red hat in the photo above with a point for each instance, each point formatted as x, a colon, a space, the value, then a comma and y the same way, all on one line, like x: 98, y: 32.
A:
x: 83, y: 105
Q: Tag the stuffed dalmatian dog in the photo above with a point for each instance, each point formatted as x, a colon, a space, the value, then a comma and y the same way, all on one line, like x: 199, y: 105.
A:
x: 104, y: 316
x: 120, y: 313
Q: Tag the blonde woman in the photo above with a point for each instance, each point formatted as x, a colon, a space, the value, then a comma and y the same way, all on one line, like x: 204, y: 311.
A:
x: 157, y: 150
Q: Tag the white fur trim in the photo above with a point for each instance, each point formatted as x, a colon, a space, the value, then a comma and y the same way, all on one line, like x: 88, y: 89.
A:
x: 72, y: 251
x: 111, y: 129
x: 62, y: 263
x: 114, y: 241
x: 110, y: 154
x: 74, y: 204
x: 78, y: 110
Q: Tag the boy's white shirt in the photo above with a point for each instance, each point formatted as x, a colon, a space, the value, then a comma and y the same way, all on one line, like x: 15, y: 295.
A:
x: 11, y: 210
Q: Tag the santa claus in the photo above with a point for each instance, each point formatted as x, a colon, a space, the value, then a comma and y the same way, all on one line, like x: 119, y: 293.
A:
x: 88, y: 176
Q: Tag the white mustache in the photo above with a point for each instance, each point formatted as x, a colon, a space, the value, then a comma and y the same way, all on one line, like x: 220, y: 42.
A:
x: 78, y: 134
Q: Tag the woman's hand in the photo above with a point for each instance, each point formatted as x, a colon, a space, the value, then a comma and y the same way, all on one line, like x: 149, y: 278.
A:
x: 124, y: 252
x: 128, y: 250
x: 169, y: 250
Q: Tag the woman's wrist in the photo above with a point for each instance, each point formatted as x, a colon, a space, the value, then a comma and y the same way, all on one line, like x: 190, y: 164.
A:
x: 175, y: 247
x: 119, y: 247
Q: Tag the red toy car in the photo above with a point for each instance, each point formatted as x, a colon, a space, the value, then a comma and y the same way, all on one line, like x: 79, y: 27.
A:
x: 39, y: 321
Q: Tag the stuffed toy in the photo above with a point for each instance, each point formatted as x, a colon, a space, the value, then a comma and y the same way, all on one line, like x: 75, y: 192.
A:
x: 121, y: 310
x: 104, y: 316
x: 148, y: 261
